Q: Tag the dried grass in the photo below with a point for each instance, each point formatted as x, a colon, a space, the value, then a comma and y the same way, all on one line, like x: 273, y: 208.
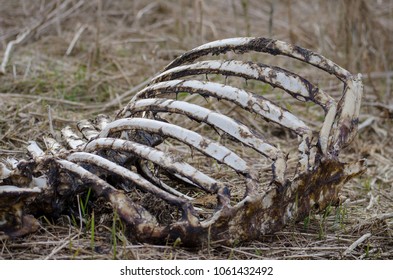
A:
x: 88, y: 57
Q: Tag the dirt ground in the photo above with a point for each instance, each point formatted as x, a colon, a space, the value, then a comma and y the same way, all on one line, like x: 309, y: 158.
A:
x: 80, y: 58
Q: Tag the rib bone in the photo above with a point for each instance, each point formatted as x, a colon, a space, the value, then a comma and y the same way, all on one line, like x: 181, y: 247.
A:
x: 204, y: 145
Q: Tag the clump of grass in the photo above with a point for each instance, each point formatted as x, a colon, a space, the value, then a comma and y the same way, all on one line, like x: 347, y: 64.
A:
x: 114, y: 235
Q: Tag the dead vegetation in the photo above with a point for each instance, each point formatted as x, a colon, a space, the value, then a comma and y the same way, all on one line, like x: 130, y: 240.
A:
x: 76, y: 59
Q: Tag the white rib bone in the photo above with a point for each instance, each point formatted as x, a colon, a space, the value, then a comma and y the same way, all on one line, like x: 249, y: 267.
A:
x: 87, y: 129
x: 202, y: 144
x: 349, y: 113
x: 14, y: 190
x: 4, y: 171
x: 326, y: 128
x: 275, y: 76
x: 53, y: 146
x: 242, y: 98
x: 34, y: 150
x: 72, y: 139
x: 158, y: 157
x: 101, y: 121
x: 240, y: 132
x: 12, y: 162
x: 125, y: 173
x: 147, y: 172
x: 275, y: 47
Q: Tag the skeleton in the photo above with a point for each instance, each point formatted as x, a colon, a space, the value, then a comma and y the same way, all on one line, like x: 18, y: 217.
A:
x: 134, y: 151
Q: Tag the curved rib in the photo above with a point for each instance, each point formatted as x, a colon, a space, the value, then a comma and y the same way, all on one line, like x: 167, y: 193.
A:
x: 101, y: 121
x: 202, y: 144
x: 295, y: 85
x: 87, y: 129
x: 158, y: 157
x: 260, y: 44
x: 238, y: 131
x: 53, y: 146
x: 127, y: 174
x: 71, y: 138
x: 349, y: 113
x: 242, y: 98
x: 275, y: 76
x: 145, y: 170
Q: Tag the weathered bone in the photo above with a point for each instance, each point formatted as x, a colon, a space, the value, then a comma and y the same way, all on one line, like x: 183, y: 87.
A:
x: 137, y: 135
x: 147, y: 172
x: 87, y: 129
x: 101, y: 121
x: 202, y: 144
x: 348, y: 113
x: 72, y: 139
x: 295, y: 85
x: 157, y: 157
x: 13, y: 222
x: 242, y: 98
x: 4, y: 171
x: 271, y: 46
x: 53, y: 146
x: 34, y: 149
x: 240, y: 132
x: 125, y: 173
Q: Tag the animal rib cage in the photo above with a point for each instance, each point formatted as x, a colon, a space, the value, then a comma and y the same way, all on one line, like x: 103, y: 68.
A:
x: 142, y: 156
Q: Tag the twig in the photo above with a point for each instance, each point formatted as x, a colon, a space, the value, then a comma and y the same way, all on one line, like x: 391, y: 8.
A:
x: 57, y: 249
x: 242, y: 252
x: 117, y: 100
x: 140, y: 40
x: 75, y: 39
x: 57, y: 119
x: 11, y: 152
x: 306, y: 256
x: 372, y: 251
x: 356, y: 243
x: 10, y: 46
x: 50, y: 99
x: 312, y: 248
x: 383, y: 216
x: 52, y: 131
x: 374, y: 75
x: 373, y: 199
x: 369, y: 121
